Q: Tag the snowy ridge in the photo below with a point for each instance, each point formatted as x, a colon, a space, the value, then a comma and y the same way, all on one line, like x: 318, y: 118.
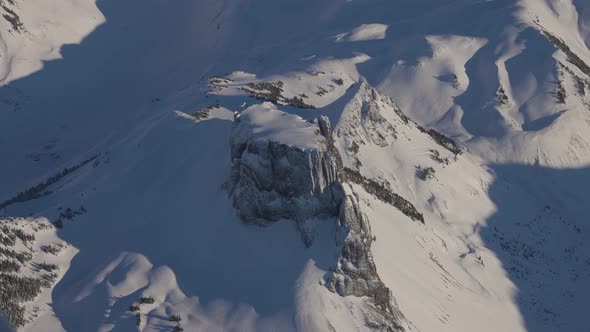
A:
x: 34, y: 31
x: 384, y: 166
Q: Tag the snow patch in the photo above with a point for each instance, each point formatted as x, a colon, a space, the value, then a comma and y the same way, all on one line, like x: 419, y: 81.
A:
x: 364, y: 32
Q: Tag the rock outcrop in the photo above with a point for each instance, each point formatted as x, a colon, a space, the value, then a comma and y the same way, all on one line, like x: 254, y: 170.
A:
x: 356, y: 273
x: 302, y: 179
x: 273, y: 180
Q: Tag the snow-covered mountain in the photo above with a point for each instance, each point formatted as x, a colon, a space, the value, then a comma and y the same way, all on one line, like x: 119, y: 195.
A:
x: 263, y: 165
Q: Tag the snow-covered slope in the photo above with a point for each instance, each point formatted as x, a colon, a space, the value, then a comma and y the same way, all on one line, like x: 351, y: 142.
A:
x: 309, y: 165
x: 34, y: 31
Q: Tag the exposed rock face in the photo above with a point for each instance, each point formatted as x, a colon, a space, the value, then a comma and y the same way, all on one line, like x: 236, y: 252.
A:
x: 365, y: 118
x: 384, y: 194
x: 272, y: 180
x: 356, y: 273
x: 276, y: 181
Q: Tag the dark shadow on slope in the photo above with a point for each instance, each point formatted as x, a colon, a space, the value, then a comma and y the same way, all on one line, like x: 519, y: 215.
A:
x: 162, y: 197
x: 147, y: 50
x: 532, y: 67
x: 583, y: 9
x: 144, y: 50
x: 469, y: 19
x: 166, y: 203
x: 480, y: 117
x: 540, y: 233
x: 541, y: 123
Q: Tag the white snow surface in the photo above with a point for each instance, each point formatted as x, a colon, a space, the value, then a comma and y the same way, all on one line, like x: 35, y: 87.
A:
x: 364, y: 32
x: 505, y: 242
x: 264, y: 122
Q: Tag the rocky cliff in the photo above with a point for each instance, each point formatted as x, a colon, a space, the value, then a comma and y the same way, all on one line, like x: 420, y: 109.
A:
x: 300, y: 176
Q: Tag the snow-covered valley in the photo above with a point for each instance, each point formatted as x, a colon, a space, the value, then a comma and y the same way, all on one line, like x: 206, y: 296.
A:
x: 263, y: 165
